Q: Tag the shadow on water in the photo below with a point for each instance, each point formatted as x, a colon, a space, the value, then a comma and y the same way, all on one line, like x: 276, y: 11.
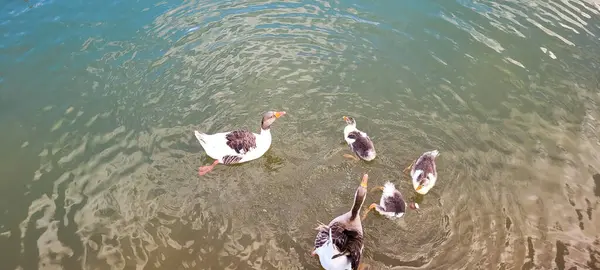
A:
x: 99, y: 162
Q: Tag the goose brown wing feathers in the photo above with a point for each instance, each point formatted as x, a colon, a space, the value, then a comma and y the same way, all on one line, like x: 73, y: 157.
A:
x: 241, y: 141
x: 349, y: 242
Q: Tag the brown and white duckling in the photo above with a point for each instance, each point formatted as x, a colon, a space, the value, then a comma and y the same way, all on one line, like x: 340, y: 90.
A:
x: 391, y: 204
x: 340, y: 244
x: 237, y: 146
x: 359, y: 142
x: 423, y: 172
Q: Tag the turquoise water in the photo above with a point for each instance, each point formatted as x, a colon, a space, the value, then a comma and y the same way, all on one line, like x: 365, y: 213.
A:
x: 99, y: 100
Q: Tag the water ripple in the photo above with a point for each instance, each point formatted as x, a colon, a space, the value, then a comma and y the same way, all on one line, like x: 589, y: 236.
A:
x: 105, y: 170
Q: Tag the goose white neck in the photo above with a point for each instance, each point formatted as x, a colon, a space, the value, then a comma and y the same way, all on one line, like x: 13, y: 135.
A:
x: 349, y: 128
x: 265, y: 131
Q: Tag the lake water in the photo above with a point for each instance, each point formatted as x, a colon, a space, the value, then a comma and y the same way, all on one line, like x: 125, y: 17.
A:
x: 99, y: 101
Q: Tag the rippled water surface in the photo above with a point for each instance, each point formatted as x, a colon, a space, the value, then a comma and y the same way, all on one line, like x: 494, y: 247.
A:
x: 99, y: 100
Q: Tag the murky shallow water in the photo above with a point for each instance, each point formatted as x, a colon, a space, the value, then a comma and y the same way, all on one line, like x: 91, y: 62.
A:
x: 98, y: 103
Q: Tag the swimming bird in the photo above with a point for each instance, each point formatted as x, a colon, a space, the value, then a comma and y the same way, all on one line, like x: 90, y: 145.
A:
x: 340, y: 244
x: 237, y: 146
x: 423, y: 172
x: 359, y: 142
x: 391, y: 204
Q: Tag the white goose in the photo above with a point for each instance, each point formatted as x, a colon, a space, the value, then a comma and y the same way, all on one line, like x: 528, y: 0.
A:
x: 237, y: 146
x: 391, y: 204
x: 340, y: 243
x: 424, y: 172
x: 359, y: 141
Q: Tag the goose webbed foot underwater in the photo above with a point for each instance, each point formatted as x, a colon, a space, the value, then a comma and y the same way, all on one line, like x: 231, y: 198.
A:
x: 353, y: 158
x: 205, y: 169
x: 407, y: 169
x: 377, y: 188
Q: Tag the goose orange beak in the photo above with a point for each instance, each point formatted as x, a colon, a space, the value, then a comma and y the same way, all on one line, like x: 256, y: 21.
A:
x: 345, y: 118
x: 419, y: 187
x: 279, y: 114
x: 364, y: 181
